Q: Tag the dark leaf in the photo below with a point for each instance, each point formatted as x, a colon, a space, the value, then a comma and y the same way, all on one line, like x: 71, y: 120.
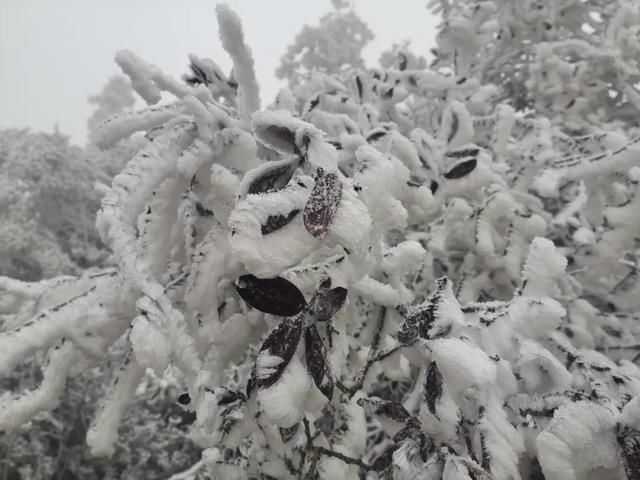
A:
x: 326, y: 423
x: 408, y: 333
x: 281, y: 342
x: 229, y: 396
x: 417, y: 447
x: 288, y: 433
x: 276, y: 222
x: 322, y: 205
x: 197, y: 76
x: 455, y: 125
x: 251, y: 383
x: 463, y: 153
x: 316, y: 357
x: 385, y: 408
x: 417, y: 324
x: 280, y: 137
x: 629, y: 441
x: 376, y: 135
x: 313, y: 103
x: 411, y: 431
x: 385, y: 460
x: 433, y: 387
x: 276, y: 296
x: 302, y: 148
x: 461, y: 169
x: 325, y: 304
x: 395, y: 411
x: 359, y: 86
x: 420, y: 321
x: 273, y: 176
x: 402, y: 64
x: 229, y: 421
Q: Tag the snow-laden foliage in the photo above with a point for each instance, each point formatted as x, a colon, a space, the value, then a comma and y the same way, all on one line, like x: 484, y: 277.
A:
x: 575, y: 62
x: 390, y: 273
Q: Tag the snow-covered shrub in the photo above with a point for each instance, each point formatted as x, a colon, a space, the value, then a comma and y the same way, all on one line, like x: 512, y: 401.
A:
x: 363, y: 285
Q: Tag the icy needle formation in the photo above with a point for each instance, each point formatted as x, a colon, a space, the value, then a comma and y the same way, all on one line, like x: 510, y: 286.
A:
x: 400, y: 273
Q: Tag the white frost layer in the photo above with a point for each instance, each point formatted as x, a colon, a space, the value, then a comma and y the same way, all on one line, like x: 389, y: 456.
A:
x: 151, y: 346
x: 283, y: 402
x: 579, y: 439
x: 463, y: 364
x: 268, y: 255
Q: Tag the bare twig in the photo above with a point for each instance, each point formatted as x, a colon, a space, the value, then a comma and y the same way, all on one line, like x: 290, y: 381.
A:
x: 344, y: 458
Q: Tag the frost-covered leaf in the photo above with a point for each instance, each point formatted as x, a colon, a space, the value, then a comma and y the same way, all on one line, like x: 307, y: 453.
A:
x: 461, y: 169
x: 316, y: 358
x: 432, y: 387
x: 385, y: 408
x: 413, y: 455
x: 432, y: 318
x: 276, y: 352
x: 457, y: 127
x: 269, y: 177
x: 458, y: 468
x: 323, y: 203
x: 279, y: 130
x: 276, y: 222
x: 384, y: 463
x: 226, y: 396
x: 629, y: 440
x: 288, y: 433
x: 276, y: 296
x: 326, y: 303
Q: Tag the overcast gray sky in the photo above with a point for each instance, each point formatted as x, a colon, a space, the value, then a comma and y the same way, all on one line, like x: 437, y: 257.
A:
x: 55, y: 53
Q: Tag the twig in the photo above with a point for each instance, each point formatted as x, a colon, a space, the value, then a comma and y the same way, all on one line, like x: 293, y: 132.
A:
x: 373, y: 358
x: 344, y: 458
x: 634, y: 346
x: 309, y: 446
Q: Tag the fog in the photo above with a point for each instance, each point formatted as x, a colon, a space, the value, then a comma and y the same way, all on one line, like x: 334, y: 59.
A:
x: 54, y: 54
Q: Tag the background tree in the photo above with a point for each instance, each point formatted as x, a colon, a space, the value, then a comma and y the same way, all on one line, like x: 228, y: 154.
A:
x: 116, y: 97
x: 332, y: 47
x: 50, y: 202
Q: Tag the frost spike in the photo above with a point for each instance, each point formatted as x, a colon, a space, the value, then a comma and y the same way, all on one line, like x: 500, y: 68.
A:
x: 232, y: 38
x: 103, y: 433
